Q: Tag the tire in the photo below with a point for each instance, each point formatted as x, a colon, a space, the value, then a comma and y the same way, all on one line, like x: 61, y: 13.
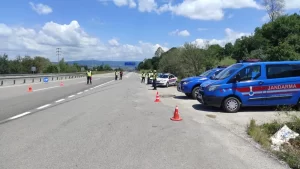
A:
x: 167, y: 84
x: 298, y: 105
x: 195, y: 92
x: 231, y: 105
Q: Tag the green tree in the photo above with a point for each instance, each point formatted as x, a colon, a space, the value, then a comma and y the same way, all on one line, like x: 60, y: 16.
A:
x: 4, y: 64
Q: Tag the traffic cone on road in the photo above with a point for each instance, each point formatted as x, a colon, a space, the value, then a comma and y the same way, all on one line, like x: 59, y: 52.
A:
x: 176, y: 116
x: 157, y: 98
x: 61, y: 84
x: 29, y: 89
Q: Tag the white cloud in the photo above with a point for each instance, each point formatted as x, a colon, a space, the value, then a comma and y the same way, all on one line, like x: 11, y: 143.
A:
x: 265, y: 18
x: 74, y: 42
x: 292, y: 4
x: 230, y: 36
x: 41, y: 8
x: 193, y: 9
x: 113, y: 42
x: 180, y: 33
x: 230, y: 16
x: 119, y: 3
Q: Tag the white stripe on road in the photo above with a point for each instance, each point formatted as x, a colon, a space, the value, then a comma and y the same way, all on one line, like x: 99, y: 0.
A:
x: 18, y: 116
x: 43, y: 106
x: 86, y: 90
x: 79, y: 93
x: 71, y: 96
x: 45, y: 88
x: 60, y: 100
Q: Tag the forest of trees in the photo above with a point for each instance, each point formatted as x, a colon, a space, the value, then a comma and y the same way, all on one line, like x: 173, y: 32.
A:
x: 277, y: 40
x: 43, y: 65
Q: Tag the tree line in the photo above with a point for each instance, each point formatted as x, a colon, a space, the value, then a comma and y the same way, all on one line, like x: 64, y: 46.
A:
x: 42, y: 65
x: 277, y: 40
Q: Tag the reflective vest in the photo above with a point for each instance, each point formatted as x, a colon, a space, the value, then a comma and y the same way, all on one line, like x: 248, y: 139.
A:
x: 143, y: 74
x: 154, y: 76
x: 116, y: 73
x: 89, y: 73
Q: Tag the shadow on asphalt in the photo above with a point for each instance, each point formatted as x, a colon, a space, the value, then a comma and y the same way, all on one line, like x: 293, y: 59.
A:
x: 244, y: 109
x: 182, y: 98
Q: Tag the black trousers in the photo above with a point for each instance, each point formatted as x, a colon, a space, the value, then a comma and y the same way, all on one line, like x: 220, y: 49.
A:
x: 89, y: 80
x: 121, y: 76
x: 143, y: 79
x: 154, y: 84
x: 116, y: 77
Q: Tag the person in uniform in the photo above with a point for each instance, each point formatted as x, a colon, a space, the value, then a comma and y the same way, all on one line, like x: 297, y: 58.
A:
x: 116, y: 75
x: 121, y: 74
x: 154, y: 80
x: 89, y: 76
x: 143, y: 77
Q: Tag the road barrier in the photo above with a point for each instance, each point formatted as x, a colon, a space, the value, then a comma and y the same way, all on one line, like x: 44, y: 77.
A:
x: 23, y: 79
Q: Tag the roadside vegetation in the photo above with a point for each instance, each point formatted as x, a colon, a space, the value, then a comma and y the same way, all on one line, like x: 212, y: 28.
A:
x: 43, y: 65
x: 261, y: 133
x: 277, y: 40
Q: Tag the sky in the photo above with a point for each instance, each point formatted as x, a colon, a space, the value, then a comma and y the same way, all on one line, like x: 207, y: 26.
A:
x: 123, y: 30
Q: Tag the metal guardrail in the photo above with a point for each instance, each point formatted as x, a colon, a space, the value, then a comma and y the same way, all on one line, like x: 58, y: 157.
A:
x: 38, y: 78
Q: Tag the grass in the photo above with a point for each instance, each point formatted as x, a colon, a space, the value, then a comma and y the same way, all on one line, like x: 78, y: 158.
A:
x: 290, y: 153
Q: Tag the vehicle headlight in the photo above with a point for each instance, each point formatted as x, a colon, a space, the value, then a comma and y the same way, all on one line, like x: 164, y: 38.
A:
x: 213, y: 87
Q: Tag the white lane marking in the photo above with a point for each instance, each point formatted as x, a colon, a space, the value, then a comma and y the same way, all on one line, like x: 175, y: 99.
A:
x: 60, y: 100
x: 71, y: 96
x: 79, y: 93
x: 86, y: 90
x: 43, y: 106
x: 91, y: 88
x: 19, y: 115
x: 45, y: 88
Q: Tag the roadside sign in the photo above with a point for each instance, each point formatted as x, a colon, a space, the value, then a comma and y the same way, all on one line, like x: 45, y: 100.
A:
x: 46, y: 79
x: 129, y: 63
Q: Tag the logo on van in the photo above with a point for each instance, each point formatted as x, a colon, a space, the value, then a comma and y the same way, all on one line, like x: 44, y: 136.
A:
x: 279, y: 87
x: 251, y: 93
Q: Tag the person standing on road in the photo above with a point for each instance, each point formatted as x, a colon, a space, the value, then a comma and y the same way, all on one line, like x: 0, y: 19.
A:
x: 121, y: 74
x: 143, y: 77
x: 154, y: 80
x: 89, y: 76
x: 116, y: 75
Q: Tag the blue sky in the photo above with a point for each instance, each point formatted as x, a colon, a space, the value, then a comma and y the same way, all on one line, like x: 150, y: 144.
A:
x: 122, y: 29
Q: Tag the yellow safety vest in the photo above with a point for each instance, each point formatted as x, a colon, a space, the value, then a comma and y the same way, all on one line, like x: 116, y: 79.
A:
x: 143, y: 74
x: 89, y: 73
x: 154, y: 76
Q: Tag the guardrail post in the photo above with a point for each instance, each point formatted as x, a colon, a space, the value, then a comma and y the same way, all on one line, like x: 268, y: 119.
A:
x: 24, y: 80
x: 69, y: 77
x: 40, y: 79
x: 52, y: 78
x: 32, y: 80
x: 57, y: 78
x: 1, y: 82
x: 14, y: 81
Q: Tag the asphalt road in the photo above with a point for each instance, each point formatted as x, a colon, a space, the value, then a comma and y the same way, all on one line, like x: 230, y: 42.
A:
x: 15, y: 100
x: 118, y: 126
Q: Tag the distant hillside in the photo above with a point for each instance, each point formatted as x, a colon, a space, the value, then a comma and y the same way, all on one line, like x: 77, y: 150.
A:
x: 112, y: 64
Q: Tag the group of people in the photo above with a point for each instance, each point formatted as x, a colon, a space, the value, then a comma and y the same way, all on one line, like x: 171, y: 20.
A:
x: 89, y: 76
x: 149, y: 75
x: 116, y: 75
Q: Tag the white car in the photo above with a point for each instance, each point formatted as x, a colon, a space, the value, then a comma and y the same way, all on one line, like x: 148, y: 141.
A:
x: 166, y: 80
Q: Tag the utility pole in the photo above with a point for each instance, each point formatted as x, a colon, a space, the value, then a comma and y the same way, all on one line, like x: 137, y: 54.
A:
x: 58, y: 50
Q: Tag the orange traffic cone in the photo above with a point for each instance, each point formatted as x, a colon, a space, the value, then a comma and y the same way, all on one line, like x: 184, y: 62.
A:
x: 157, y: 98
x: 61, y: 84
x: 176, y: 116
x: 29, y: 89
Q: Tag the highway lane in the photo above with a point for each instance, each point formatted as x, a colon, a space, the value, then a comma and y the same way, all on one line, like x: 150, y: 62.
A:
x: 16, y: 99
x: 119, y: 126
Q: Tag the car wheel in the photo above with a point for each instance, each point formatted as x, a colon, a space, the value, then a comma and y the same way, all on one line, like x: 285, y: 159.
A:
x: 298, y: 105
x: 195, y: 92
x: 167, y: 85
x: 231, y: 105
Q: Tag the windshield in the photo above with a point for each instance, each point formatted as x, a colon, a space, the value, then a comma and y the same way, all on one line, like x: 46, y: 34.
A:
x: 206, y: 73
x: 228, y: 71
x: 164, y: 76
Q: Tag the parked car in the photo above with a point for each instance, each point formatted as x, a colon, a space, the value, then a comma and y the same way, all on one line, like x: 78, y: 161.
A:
x: 253, y: 84
x: 166, y: 79
x: 191, y: 85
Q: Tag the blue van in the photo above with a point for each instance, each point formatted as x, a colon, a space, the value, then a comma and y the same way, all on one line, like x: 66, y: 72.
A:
x: 190, y: 85
x: 253, y: 84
